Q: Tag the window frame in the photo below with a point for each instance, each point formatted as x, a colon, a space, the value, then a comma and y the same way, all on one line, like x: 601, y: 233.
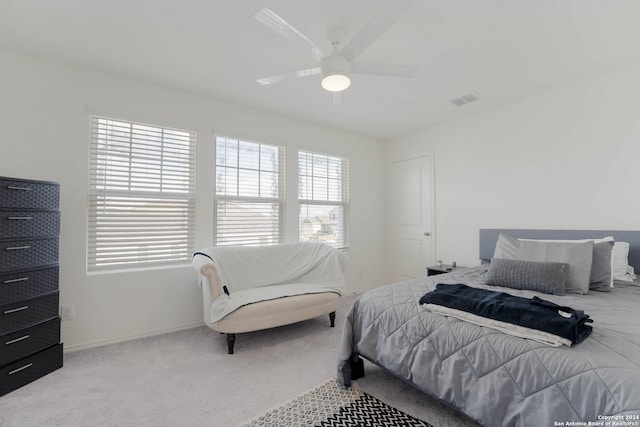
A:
x: 110, y: 204
x: 279, y: 200
x: 344, y: 202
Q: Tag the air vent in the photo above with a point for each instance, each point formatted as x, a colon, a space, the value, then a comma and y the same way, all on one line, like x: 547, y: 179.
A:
x: 465, y: 99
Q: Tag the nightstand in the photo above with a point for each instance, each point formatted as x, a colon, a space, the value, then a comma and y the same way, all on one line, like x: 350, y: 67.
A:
x: 441, y: 269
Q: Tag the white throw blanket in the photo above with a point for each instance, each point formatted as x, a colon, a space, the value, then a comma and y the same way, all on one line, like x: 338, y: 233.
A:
x: 508, y: 328
x: 260, y: 273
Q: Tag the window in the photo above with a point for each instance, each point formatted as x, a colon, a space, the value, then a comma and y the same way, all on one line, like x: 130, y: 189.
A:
x: 141, y: 195
x: 323, y: 196
x: 249, y: 204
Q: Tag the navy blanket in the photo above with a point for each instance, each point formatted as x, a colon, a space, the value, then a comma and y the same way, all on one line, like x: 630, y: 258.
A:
x: 532, y: 313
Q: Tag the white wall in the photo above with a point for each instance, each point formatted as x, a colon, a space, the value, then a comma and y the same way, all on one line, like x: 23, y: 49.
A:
x: 44, y: 134
x: 563, y: 159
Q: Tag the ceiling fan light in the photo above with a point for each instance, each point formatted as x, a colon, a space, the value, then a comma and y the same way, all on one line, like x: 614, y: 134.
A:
x: 336, y: 82
x: 335, y: 73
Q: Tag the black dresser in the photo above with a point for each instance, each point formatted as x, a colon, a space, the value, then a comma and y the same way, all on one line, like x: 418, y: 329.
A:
x: 29, y: 323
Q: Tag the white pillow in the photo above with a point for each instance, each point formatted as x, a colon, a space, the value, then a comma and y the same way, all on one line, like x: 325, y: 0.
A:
x: 620, y: 263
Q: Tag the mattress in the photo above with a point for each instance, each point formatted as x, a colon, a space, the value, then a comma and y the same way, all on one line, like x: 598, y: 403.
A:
x: 495, y: 378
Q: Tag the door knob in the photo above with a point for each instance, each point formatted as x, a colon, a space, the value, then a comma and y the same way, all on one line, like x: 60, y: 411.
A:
x: 426, y: 233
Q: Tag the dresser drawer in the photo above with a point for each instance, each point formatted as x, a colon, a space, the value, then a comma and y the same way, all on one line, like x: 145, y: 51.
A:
x: 25, y: 342
x: 30, y: 368
x: 29, y: 312
x: 23, y: 284
x: 27, y: 253
x: 18, y: 193
x: 23, y: 224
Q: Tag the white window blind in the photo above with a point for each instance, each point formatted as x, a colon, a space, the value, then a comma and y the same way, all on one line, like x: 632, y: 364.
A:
x: 323, y: 197
x: 141, y: 195
x: 249, y: 203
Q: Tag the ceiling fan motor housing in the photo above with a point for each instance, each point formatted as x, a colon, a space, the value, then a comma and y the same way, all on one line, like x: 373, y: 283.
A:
x: 335, y: 73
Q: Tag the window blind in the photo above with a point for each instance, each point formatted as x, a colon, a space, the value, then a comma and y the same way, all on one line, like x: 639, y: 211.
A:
x: 141, y: 195
x: 249, y: 203
x: 323, y: 198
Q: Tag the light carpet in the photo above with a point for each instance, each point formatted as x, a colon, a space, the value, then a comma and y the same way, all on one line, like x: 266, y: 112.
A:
x: 187, y: 379
x: 331, y: 404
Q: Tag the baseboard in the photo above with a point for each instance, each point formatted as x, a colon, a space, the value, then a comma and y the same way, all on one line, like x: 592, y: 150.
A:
x: 86, y: 346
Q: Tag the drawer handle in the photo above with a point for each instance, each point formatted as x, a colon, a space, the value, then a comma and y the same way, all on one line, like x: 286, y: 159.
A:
x: 12, y: 187
x: 15, y: 371
x: 20, y: 218
x: 15, y: 248
x: 16, y: 309
x: 22, y: 279
x: 17, y: 340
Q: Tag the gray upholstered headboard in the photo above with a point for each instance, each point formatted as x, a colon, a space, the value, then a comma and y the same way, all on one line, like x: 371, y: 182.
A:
x: 489, y: 237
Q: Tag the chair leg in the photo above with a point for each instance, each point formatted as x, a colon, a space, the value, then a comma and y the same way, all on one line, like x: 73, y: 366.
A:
x: 332, y: 318
x: 231, y: 340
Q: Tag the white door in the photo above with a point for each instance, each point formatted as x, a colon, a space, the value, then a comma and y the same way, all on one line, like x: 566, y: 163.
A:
x: 411, y: 213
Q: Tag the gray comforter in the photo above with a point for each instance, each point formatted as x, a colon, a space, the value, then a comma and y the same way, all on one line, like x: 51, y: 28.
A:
x: 498, y: 379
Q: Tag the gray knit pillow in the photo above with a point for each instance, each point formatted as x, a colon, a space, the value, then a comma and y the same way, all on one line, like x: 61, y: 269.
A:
x: 547, y: 277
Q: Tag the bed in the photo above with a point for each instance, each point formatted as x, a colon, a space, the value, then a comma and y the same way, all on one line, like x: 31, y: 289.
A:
x: 496, y: 378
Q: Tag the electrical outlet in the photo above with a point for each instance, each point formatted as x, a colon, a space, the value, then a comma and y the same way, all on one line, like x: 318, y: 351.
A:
x: 67, y: 312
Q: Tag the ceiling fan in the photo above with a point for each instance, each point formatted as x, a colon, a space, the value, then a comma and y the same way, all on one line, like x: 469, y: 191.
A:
x: 337, y: 66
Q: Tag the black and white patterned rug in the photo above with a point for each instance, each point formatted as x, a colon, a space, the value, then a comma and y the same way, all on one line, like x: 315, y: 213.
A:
x: 330, y: 404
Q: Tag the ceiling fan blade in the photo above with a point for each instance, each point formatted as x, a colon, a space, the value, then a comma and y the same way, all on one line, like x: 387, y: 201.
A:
x: 274, y: 22
x: 269, y: 80
x: 291, y: 75
x: 375, y: 27
x: 384, y: 69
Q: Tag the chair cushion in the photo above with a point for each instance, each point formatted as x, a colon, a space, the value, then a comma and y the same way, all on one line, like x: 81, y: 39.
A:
x: 277, y: 312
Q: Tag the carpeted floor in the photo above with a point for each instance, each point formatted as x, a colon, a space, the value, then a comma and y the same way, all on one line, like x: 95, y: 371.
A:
x: 187, y: 379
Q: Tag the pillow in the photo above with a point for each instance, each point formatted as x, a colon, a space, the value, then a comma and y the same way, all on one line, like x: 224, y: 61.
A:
x: 577, y: 254
x: 601, y: 277
x: 547, y: 277
x: 620, y: 262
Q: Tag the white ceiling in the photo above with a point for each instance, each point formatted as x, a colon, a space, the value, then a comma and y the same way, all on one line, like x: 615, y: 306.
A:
x: 502, y: 50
